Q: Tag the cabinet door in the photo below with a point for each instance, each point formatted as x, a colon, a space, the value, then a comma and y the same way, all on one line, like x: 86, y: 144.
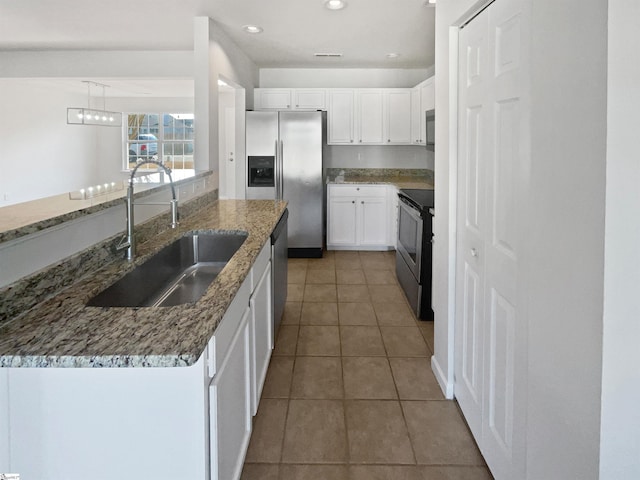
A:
x: 309, y: 99
x: 275, y: 99
x: 417, y: 135
x: 342, y: 221
x: 230, y: 407
x: 373, y: 221
x: 370, y: 117
x: 428, y: 95
x: 398, y: 116
x: 261, y: 335
x: 341, y: 112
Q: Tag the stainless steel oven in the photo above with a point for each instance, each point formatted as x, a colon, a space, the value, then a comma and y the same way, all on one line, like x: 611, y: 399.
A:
x: 413, y: 254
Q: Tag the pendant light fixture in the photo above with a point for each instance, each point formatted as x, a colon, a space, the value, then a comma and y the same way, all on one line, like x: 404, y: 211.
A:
x: 93, y: 116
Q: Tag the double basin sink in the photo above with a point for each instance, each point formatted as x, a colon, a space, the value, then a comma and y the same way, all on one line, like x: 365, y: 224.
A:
x: 179, y: 273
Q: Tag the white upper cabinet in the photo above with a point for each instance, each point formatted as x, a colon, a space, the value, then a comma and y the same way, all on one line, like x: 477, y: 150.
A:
x: 360, y: 116
x: 341, y: 127
x: 272, y: 98
x: 370, y: 116
x: 290, y: 99
x: 423, y: 99
x: 398, y: 116
x: 309, y: 99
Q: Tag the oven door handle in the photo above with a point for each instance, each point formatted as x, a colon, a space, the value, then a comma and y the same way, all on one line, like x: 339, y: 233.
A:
x: 411, y: 210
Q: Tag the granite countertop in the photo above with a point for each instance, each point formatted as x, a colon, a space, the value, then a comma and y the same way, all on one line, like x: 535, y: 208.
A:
x: 63, y: 332
x: 400, y: 178
x: 33, y: 216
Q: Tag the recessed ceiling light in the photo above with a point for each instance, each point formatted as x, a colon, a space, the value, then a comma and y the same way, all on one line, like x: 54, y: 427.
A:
x: 393, y: 55
x: 252, y: 29
x: 335, y: 4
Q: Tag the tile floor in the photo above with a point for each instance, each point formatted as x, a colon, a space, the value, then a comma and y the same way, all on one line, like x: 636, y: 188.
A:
x: 349, y: 394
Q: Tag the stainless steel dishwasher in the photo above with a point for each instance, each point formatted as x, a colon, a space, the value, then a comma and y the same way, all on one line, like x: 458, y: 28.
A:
x: 279, y: 258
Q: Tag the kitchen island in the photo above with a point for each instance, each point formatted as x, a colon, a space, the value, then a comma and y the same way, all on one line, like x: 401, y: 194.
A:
x: 187, y: 414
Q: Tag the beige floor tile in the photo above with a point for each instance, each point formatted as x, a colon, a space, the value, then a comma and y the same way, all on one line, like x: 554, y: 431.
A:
x: 414, y: 379
x: 295, y: 292
x: 278, y: 381
x: 320, y: 293
x: 360, y: 340
x: 268, y: 430
x: 380, y: 277
x: 321, y: 275
x: 353, y: 276
x: 386, y: 294
x: 353, y: 293
x: 356, y: 314
x: 384, y: 472
x: 314, y: 472
x: 404, y: 342
x: 319, y: 341
x: 296, y: 274
x: 326, y: 261
x: 455, y: 473
x: 291, y: 315
x: 320, y: 313
x: 315, y: 432
x: 447, y: 440
x: 260, y: 471
x: 374, y: 260
x: 317, y: 378
x: 394, y: 314
x: 368, y: 378
x: 298, y: 262
x: 287, y: 340
x: 346, y: 255
x: 350, y: 263
x: 377, y: 433
x: 427, y: 332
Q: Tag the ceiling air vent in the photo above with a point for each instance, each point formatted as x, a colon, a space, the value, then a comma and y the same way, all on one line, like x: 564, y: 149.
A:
x: 331, y: 55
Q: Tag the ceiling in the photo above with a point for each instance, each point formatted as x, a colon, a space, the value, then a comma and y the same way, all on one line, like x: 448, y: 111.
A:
x: 364, y: 32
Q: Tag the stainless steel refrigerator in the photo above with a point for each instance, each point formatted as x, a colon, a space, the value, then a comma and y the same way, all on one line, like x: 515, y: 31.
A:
x: 285, y: 161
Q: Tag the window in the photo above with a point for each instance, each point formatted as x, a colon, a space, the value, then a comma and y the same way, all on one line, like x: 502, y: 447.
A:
x: 165, y: 137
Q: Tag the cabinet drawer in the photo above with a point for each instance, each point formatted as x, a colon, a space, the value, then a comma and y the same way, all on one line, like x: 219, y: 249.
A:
x: 260, y: 264
x: 358, y: 190
x: 221, y: 340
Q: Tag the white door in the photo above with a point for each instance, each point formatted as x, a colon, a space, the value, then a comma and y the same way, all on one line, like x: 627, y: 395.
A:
x: 473, y: 154
x: 342, y: 221
x: 490, y: 367
x: 398, y: 116
x: 373, y: 221
x: 341, y: 113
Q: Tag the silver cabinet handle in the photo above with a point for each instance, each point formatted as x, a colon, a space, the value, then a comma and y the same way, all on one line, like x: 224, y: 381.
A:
x: 353, y: 201
x: 474, y: 252
x: 362, y: 202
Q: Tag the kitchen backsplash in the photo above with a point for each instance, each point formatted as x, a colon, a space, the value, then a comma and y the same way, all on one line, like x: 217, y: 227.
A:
x: 332, y: 173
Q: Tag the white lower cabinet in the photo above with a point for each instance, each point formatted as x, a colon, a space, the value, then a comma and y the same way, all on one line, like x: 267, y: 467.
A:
x: 358, y: 217
x: 230, y: 406
x: 159, y: 422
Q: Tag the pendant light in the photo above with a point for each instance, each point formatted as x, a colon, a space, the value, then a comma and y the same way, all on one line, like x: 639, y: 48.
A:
x: 94, y: 116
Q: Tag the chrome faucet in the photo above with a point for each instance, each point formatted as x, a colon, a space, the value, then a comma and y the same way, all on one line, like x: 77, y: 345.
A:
x: 129, y: 240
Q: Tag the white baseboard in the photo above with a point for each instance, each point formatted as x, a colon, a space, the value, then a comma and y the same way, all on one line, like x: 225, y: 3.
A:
x: 446, y: 386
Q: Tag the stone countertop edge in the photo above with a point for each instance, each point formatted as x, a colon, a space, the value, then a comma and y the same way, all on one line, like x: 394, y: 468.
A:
x: 14, y: 233
x: 63, y: 332
x: 399, y: 181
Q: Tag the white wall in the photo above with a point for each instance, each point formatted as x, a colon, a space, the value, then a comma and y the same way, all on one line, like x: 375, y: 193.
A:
x: 216, y: 56
x: 343, y: 77
x: 620, y: 434
x: 40, y: 155
x: 564, y: 262
x: 372, y: 156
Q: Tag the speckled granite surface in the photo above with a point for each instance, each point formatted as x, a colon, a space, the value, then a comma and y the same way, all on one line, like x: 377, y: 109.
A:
x: 63, y: 332
x: 401, y: 178
x: 29, y: 217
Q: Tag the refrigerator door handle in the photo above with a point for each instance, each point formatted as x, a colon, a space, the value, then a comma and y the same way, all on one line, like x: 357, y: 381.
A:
x: 278, y: 172
x: 281, y: 177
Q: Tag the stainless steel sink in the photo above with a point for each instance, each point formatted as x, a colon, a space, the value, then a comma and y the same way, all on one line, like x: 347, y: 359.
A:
x: 179, y: 273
